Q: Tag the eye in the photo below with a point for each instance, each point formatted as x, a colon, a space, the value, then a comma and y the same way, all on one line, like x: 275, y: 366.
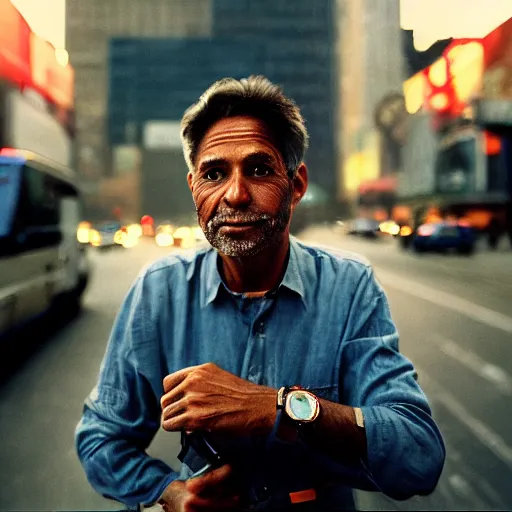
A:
x: 214, y: 174
x: 261, y: 171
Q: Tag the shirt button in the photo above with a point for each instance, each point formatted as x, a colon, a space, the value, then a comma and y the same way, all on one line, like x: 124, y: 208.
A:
x: 254, y: 372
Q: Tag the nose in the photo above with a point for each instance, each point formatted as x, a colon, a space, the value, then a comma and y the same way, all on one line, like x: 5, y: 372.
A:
x: 237, y: 194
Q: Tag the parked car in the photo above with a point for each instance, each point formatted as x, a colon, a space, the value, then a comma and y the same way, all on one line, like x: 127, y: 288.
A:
x: 444, y: 236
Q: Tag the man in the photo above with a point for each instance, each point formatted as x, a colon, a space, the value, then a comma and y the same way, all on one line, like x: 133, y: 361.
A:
x: 214, y: 342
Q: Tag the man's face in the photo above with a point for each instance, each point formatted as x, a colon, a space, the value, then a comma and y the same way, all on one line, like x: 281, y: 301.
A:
x: 240, y: 187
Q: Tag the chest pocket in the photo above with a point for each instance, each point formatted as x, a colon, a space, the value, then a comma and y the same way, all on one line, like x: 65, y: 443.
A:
x: 317, y: 369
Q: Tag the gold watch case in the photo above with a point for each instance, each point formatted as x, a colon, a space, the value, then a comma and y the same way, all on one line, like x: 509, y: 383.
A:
x: 293, y: 404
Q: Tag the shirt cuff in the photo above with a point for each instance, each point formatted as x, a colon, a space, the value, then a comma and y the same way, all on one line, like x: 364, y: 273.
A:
x: 159, y: 491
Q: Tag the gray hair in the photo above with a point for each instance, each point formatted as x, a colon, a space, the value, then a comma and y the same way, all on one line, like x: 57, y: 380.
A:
x: 257, y: 97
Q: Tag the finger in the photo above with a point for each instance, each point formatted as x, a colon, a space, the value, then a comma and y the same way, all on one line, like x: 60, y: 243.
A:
x: 178, y: 423
x: 209, y: 481
x: 173, y: 379
x: 175, y: 409
x: 173, y: 395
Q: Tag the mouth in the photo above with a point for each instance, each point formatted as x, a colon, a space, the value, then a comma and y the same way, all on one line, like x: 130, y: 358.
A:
x: 234, y: 226
x: 239, y: 224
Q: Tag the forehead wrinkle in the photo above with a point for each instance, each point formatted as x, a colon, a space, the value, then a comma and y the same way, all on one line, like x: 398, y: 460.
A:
x: 248, y: 154
x: 241, y: 135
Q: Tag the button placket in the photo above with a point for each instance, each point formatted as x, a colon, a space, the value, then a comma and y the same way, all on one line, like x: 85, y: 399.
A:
x: 256, y: 372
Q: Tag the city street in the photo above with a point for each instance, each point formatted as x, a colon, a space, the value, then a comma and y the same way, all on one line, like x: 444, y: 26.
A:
x: 454, y: 314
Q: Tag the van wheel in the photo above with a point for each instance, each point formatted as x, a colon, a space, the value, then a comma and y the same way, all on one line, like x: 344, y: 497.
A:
x: 68, y: 305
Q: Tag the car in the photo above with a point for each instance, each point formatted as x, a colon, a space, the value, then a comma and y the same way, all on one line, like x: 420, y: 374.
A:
x: 444, y: 236
x: 103, y: 234
x: 367, y: 228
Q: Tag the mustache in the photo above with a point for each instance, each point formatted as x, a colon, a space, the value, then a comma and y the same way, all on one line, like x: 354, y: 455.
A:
x: 236, y: 216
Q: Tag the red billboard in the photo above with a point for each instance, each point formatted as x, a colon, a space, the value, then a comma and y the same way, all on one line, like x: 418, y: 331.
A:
x: 14, y: 45
x: 50, y: 78
x: 61, y: 82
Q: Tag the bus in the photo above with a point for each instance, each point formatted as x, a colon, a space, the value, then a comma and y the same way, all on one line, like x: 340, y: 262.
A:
x: 43, y: 265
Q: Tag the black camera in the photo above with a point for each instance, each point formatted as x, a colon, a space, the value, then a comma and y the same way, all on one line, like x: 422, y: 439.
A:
x: 199, y: 453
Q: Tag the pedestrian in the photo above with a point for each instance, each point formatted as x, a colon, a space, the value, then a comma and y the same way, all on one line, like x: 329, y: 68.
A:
x: 277, y: 362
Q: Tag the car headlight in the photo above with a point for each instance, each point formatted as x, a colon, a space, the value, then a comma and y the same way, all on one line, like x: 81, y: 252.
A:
x: 94, y: 238
x: 83, y: 235
x: 164, y: 239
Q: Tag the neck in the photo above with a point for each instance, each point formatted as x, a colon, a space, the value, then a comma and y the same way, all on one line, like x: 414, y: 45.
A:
x: 259, y: 273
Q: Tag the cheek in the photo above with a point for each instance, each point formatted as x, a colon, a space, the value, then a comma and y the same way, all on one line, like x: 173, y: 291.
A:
x: 206, y: 198
x: 272, y: 195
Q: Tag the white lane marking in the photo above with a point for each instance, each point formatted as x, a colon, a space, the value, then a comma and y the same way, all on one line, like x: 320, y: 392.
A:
x: 493, y: 374
x: 462, y: 487
x: 490, y: 439
x: 447, y: 300
x: 491, y: 494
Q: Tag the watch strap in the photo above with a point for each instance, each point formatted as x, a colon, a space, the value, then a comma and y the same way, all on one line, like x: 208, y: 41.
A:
x: 359, y: 417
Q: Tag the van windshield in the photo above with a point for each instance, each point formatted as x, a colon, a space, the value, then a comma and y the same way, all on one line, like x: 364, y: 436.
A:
x: 9, y: 189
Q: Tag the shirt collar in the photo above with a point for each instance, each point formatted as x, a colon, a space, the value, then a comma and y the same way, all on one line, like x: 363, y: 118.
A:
x: 293, y: 278
x: 210, y: 278
x: 212, y: 281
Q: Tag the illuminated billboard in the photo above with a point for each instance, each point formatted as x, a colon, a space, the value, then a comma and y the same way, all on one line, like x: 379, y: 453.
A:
x: 49, y: 77
x: 14, y: 49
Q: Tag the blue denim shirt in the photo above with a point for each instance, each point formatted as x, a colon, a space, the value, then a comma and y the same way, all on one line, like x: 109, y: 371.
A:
x: 327, y: 327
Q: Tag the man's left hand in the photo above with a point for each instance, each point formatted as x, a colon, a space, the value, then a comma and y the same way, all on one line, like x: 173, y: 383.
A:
x: 206, y: 397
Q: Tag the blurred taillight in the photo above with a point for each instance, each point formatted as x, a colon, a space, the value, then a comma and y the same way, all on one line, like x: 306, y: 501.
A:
x: 425, y: 230
x: 8, y: 152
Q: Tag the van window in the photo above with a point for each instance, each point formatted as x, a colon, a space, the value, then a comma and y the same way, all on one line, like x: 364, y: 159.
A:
x: 9, y: 191
x: 40, y: 199
x: 38, y: 214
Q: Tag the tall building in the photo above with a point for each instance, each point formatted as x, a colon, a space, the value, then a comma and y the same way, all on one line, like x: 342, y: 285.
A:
x: 152, y: 81
x: 298, y: 40
x: 372, y: 67
x: 291, y: 42
x: 90, y: 25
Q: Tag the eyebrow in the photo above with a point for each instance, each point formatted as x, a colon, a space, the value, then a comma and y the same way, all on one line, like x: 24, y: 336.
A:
x: 211, y: 162
x: 260, y: 157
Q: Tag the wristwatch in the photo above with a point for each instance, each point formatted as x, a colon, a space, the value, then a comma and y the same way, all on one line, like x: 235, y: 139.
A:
x: 300, y: 405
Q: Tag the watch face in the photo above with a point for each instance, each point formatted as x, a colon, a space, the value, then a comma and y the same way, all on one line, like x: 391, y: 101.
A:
x: 302, y: 406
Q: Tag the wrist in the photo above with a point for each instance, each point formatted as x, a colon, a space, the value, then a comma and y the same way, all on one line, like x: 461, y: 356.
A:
x: 264, y: 415
x: 170, y: 498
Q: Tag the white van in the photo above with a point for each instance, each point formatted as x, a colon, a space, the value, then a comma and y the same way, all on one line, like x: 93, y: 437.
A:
x: 42, y: 263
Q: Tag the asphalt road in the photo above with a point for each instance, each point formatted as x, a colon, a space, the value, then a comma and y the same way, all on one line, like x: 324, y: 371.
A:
x: 454, y: 315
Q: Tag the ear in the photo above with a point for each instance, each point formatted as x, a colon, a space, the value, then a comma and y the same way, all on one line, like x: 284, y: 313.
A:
x: 189, y: 180
x: 300, y: 184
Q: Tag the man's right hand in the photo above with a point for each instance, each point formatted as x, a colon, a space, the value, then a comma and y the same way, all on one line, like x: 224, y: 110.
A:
x: 213, y: 491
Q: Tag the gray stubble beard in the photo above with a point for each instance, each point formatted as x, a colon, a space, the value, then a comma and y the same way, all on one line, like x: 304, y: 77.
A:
x: 270, y: 230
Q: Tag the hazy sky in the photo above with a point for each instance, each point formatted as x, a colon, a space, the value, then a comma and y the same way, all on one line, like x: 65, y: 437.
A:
x: 431, y: 19
x: 46, y: 18
x: 439, y: 19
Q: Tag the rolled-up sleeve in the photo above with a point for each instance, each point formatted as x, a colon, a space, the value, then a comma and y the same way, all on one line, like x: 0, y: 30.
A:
x: 121, y: 416
x: 405, y: 449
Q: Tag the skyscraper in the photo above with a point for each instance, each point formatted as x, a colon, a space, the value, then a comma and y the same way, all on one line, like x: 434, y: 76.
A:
x: 298, y: 38
x: 372, y: 66
x: 90, y: 25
